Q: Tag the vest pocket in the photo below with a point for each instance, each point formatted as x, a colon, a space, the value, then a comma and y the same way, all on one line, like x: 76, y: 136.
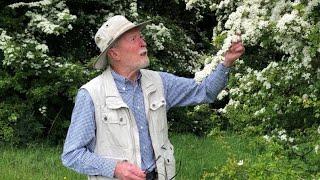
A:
x: 116, y: 128
x: 169, y: 160
x: 157, y: 104
x: 158, y: 110
x: 158, y: 120
x: 113, y: 118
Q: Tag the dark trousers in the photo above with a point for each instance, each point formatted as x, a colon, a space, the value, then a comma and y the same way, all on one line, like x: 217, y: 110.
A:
x: 152, y: 175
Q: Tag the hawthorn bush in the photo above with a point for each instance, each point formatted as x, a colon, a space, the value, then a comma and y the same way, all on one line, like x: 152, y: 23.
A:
x: 274, y: 89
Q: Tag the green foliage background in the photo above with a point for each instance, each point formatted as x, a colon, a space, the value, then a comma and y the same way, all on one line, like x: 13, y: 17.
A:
x: 67, y: 64
x: 47, y: 52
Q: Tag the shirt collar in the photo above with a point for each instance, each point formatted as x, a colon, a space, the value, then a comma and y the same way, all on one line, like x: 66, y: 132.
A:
x: 123, y: 80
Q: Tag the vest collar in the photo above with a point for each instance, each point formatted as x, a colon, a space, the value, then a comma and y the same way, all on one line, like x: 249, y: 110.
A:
x: 123, y: 80
x: 147, y: 84
x: 113, y: 97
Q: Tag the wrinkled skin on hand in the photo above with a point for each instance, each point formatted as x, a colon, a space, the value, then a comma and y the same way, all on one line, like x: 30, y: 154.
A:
x: 128, y: 171
x: 235, y: 51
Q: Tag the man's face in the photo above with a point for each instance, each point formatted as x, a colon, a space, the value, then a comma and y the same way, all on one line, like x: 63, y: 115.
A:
x: 132, y: 50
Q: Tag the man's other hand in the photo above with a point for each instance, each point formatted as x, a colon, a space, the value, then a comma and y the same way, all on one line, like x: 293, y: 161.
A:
x: 125, y: 170
x: 235, y: 51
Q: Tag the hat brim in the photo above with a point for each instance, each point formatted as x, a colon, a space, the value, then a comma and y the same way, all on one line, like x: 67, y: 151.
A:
x: 101, y: 62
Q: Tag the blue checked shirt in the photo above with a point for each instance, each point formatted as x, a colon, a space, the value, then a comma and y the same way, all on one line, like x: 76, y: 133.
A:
x: 80, y: 141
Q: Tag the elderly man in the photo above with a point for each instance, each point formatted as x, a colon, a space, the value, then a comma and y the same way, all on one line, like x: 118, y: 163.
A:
x: 119, y: 125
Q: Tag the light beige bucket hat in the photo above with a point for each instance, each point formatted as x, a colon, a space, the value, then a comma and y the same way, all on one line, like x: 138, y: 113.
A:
x: 108, y: 33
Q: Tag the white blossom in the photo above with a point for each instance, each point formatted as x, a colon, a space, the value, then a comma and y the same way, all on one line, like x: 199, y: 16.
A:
x: 285, y: 19
x: 70, y: 27
x: 30, y: 55
x: 222, y: 94
x: 189, y: 4
x: 283, y: 137
x: 267, y: 138
x: 42, y: 47
x: 311, y: 5
x: 260, y: 76
x: 222, y: 110
x: 31, y: 4
x: 159, y: 34
x: 234, y: 91
x: 43, y: 110
x: 134, y: 9
x: 261, y: 111
x: 283, y: 131
x: 291, y: 139
x: 305, y: 96
x: 267, y: 85
x: 240, y: 163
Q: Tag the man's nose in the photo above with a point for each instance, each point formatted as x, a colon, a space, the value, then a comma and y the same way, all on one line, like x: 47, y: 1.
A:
x: 143, y: 42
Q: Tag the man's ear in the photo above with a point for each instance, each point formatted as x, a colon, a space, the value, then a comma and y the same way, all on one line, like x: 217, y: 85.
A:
x: 113, y: 54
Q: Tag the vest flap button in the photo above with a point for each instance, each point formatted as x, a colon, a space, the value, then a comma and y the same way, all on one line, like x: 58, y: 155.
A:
x: 153, y: 105
x: 121, y: 119
x: 168, y: 160
x: 105, y: 118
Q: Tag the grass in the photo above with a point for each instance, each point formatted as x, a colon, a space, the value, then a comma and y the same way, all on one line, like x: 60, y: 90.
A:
x: 36, y: 162
x: 197, y: 155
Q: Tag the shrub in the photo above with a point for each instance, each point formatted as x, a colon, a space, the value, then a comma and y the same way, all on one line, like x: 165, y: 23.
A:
x: 37, y: 89
x: 276, y: 84
x: 279, y: 156
x: 274, y: 88
x: 47, y: 50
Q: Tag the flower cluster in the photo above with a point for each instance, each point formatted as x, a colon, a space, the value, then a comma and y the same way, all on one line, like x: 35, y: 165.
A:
x: 25, y: 50
x: 55, y: 23
x: 251, y: 18
x: 274, y: 89
x: 32, y: 4
x: 134, y: 9
x: 43, y: 110
x: 222, y: 94
x: 283, y: 23
x: 159, y: 34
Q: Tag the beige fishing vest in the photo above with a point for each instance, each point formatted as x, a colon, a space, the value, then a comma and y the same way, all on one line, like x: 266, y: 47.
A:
x: 116, y: 130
